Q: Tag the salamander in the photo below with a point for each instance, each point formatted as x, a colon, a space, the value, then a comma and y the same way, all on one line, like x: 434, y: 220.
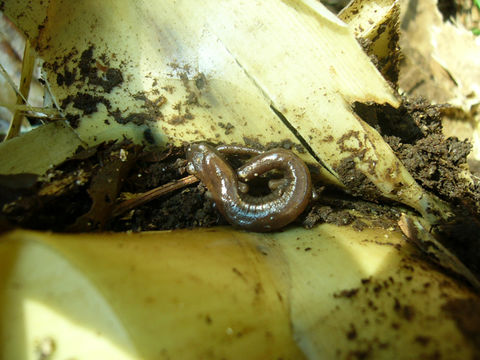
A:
x: 288, y: 199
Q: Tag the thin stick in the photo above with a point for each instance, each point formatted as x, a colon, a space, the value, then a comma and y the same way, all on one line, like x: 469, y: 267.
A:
x: 11, y: 83
x: 150, y: 195
x: 22, y: 94
x: 34, y: 111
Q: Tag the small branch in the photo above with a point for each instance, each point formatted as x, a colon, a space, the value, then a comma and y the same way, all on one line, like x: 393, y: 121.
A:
x: 22, y: 94
x: 150, y: 195
x: 34, y: 111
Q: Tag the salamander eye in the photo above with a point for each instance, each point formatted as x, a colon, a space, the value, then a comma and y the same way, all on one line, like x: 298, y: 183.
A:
x: 195, y: 160
x: 191, y: 168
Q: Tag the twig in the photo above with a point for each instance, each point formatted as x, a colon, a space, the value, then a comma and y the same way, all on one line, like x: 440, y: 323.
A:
x: 22, y: 94
x: 34, y: 111
x: 150, y: 195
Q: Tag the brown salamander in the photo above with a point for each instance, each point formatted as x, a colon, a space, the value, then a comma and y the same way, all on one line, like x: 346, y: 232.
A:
x: 285, y: 203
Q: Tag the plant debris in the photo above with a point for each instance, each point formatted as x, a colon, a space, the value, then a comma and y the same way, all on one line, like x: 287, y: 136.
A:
x: 124, y: 187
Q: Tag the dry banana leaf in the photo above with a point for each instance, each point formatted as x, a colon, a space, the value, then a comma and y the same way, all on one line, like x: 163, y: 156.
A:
x: 248, y: 72
x: 326, y: 293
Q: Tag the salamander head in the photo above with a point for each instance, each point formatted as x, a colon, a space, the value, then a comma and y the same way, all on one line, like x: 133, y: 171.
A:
x: 195, y: 154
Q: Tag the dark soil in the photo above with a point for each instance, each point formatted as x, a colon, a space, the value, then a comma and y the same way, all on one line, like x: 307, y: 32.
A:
x: 414, y: 132
x: 77, y: 196
x: 80, y: 195
x: 437, y: 163
x: 91, y: 70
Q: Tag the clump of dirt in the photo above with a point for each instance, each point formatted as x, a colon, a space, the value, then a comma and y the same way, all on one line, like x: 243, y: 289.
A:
x: 335, y: 207
x: 92, y: 70
x: 89, y: 68
x: 356, y: 182
x: 438, y: 164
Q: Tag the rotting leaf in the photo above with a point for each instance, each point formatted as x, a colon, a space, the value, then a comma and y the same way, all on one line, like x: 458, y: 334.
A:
x: 13, y: 187
x: 439, y: 254
x: 51, y: 203
x: 65, y: 183
x: 105, y: 186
